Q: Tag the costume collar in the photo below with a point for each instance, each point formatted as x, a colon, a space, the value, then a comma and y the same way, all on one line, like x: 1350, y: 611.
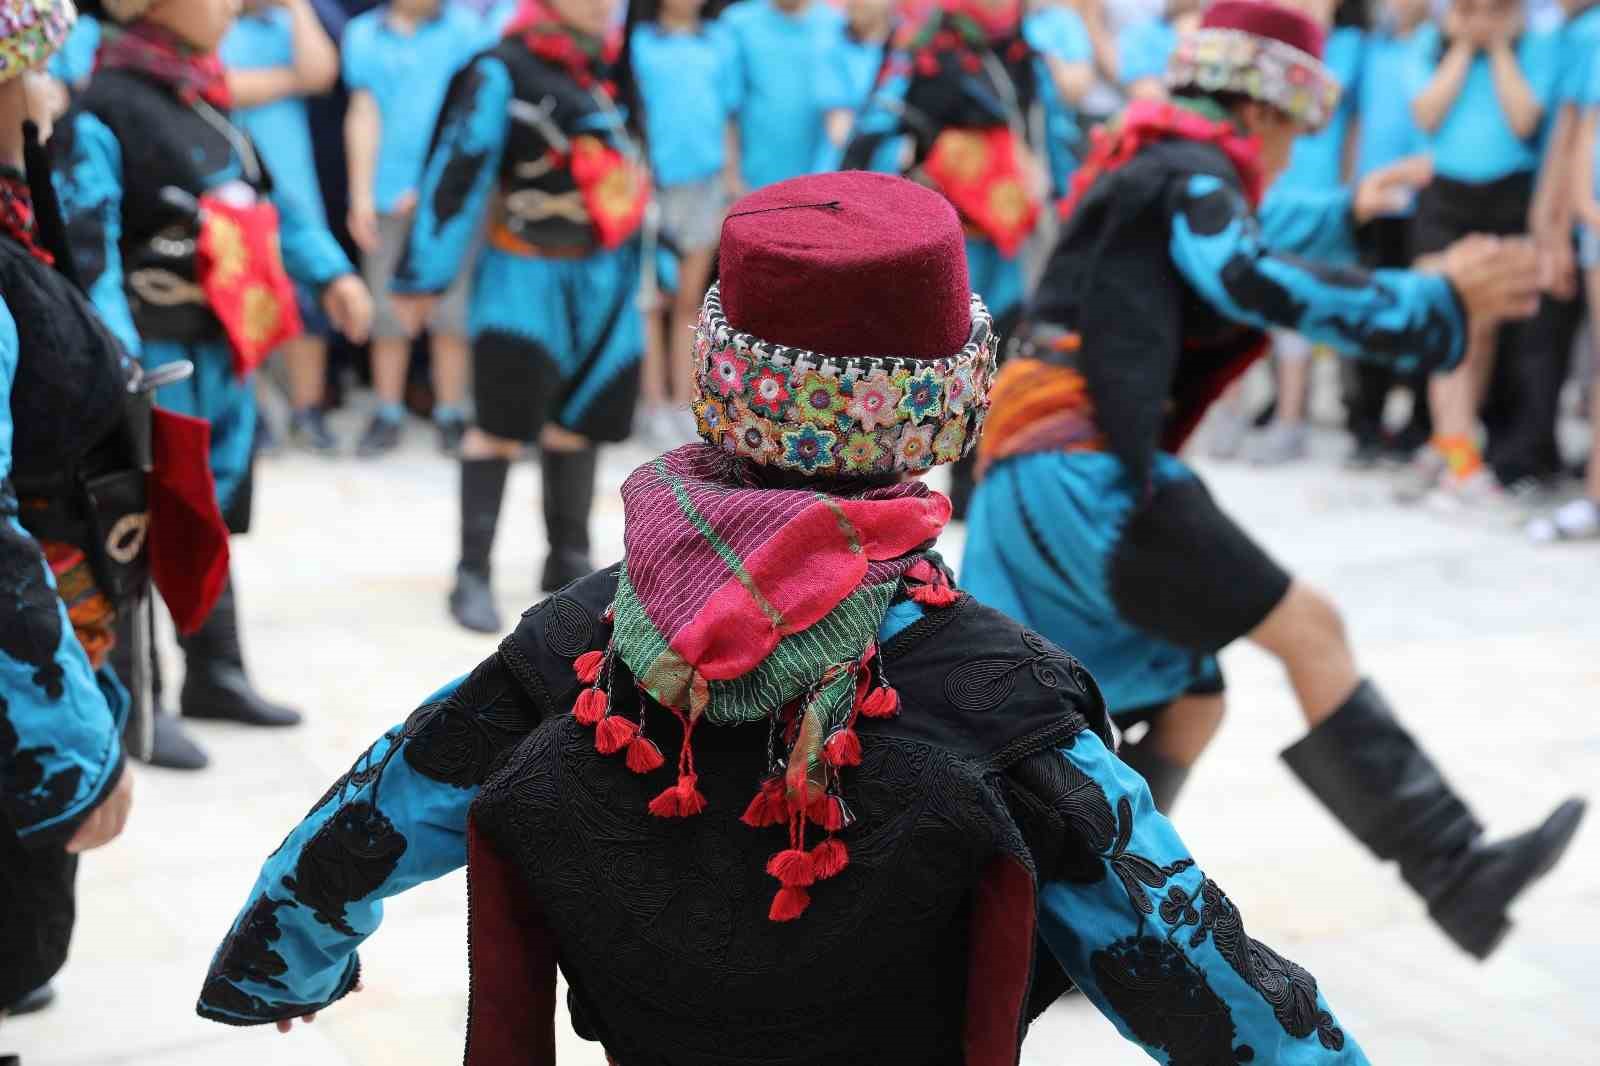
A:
x: 153, y: 50
x: 17, y: 219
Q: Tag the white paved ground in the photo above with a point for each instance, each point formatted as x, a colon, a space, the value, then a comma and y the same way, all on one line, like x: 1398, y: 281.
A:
x: 1490, y: 648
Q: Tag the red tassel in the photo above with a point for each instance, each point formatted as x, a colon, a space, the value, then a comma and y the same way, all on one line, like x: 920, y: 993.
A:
x: 681, y: 800
x: 881, y: 703
x: 591, y: 706
x: 587, y: 666
x: 934, y: 595
x: 830, y: 813
x: 843, y: 749
x: 643, y: 755
x: 613, y: 734
x: 829, y: 858
x: 770, y: 807
x: 789, y: 904
x: 792, y: 867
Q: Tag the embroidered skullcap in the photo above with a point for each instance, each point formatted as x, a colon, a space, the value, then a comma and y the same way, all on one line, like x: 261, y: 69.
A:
x: 1261, y: 50
x: 843, y: 338
x: 33, y: 30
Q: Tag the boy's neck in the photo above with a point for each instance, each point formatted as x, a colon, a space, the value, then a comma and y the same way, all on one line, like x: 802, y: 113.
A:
x: 791, y: 7
x: 410, y: 20
x: 871, y: 29
x: 677, y: 23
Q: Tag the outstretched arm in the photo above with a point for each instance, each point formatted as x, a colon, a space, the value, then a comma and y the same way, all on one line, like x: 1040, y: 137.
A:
x: 1403, y: 317
x: 396, y: 819
x: 1157, y: 946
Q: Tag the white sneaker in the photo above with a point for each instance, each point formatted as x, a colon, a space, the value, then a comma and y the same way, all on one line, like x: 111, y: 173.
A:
x: 1226, y: 435
x: 1575, y: 520
x: 1478, y: 495
x: 1421, y: 476
x: 1278, y: 444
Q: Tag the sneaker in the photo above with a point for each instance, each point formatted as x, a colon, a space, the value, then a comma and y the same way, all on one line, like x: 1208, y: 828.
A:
x: 1278, y: 445
x: 1227, y: 435
x: 1574, y: 520
x: 381, y: 438
x: 1534, y: 494
x: 308, y: 431
x: 451, y: 429
x: 1366, y: 455
x: 1478, y: 495
x: 1421, y: 476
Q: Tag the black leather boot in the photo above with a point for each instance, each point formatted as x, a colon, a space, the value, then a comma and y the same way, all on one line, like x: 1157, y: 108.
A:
x: 1371, y: 775
x: 1165, y: 778
x: 172, y: 750
x: 215, y: 685
x: 483, y: 484
x: 568, y: 489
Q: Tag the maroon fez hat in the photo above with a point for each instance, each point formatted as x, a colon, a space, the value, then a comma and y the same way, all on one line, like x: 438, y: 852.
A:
x: 1262, y: 18
x: 848, y: 264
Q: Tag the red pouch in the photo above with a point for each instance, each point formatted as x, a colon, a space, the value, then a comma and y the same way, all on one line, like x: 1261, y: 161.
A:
x: 983, y: 173
x: 615, y: 190
x: 188, y: 542
x: 241, y: 273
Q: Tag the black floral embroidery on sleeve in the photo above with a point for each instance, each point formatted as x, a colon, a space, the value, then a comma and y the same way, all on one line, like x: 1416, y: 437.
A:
x: 1166, y: 1002
x: 346, y: 860
x: 30, y: 618
x: 1287, y: 987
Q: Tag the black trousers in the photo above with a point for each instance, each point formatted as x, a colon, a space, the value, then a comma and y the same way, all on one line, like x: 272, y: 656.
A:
x: 37, y: 911
x: 1385, y: 244
x: 1523, y: 403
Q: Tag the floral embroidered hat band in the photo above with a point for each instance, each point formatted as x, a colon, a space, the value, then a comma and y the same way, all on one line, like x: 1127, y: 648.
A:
x: 1261, y: 50
x: 821, y: 355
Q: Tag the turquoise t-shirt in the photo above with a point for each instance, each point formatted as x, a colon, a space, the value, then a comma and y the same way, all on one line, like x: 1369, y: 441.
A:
x: 1580, y: 40
x: 408, y: 75
x: 687, y: 93
x: 1474, y: 143
x: 777, y: 58
x: 280, y: 131
x: 1317, y: 161
x: 1058, y: 32
x: 1143, y: 49
x: 1392, y: 73
x: 74, y: 60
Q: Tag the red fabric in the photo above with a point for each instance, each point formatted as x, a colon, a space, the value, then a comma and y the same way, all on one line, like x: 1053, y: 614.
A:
x: 241, y: 272
x: 1000, y: 965
x: 615, y: 190
x: 1193, y: 407
x: 583, y: 57
x: 17, y: 219
x: 880, y: 270
x: 984, y: 173
x: 188, y: 541
x: 147, y: 48
x: 512, y: 955
x: 1146, y: 122
x: 1265, y: 19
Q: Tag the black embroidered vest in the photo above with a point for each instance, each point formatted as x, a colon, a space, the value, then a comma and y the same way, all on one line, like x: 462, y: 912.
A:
x: 922, y: 951
x: 539, y: 201
x: 171, y: 154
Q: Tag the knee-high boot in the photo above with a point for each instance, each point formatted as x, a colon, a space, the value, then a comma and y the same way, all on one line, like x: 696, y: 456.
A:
x: 215, y: 685
x: 1165, y: 778
x: 1371, y: 775
x: 568, y: 490
x: 483, y: 485
x: 172, y: 750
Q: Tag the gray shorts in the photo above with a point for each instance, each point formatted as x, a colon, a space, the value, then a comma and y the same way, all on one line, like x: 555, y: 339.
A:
x: 449, y: 317
x: 1588, y: 247
x: 691, y: 213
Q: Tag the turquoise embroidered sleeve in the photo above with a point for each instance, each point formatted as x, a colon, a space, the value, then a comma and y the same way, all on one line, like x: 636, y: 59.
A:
x: 89, y: 184
x: 458, y: 177
x: 60, y: 747
x: 1408, y: 319
x: 1162, y: 952
x: 1316, y: 224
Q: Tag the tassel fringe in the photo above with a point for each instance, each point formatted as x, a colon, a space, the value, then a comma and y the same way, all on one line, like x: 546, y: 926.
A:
x: 613, y: 734
x: 587, y: 666
x: 770, y: 806
x: 682, y: 800
x: 591, y: 707
x: 881, y: 703
x: 843, y: 749
x: 643, y: 755
x: 792, y: 868
x: 829, y: 858
x: 789, y: 904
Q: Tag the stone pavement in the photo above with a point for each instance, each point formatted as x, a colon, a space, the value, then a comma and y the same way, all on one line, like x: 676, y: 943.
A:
x: 1487, y: 646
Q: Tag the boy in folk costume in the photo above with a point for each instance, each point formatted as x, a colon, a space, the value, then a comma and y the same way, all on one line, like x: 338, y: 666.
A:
x: 771, y: 788
x: 960, y: 84
x: 531, y: 135
x: 1088, y: 526
x: 177, y: 242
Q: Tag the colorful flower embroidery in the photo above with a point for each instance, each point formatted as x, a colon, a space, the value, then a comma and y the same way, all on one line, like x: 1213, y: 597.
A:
x: 709, y: 413
x: 873, y: 400
x: 728, y: 371
x: 924, y: 391
x: 752, y: 436
x: 809, y: 449
x: 914, y: 449
x: 958, y: 391
x: 819, y: 398
x: 951, y: 441
x: 862, y: 453
x: 769, y: 393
